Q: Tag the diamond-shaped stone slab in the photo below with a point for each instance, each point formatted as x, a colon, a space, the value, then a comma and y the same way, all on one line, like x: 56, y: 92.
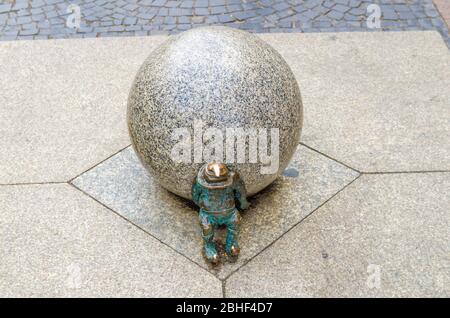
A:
x: 58, y: 242
x: 382, y: 236
x: 378, y: 101
x: 122, y: 184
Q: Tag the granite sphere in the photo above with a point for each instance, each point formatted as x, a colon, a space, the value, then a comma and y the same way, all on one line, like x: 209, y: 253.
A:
x: 199, y: 90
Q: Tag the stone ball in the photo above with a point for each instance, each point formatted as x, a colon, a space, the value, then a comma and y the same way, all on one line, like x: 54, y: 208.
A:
x: 214, y: 94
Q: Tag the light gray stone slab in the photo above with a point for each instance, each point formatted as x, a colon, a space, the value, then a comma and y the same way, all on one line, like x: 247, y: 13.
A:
x: 122, y: 184
x: 397, y: 226
x: 63, y: 104
x: 58, y: 242
x: 375, y: 101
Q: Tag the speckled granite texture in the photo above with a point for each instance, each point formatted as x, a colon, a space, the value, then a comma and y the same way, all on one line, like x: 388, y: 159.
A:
x: 223, y: 77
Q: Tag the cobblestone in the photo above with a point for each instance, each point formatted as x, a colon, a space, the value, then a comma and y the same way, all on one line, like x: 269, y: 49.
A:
x: 143, y: 17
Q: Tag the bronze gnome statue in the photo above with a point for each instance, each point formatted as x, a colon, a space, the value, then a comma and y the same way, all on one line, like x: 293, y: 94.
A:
x: 216, y: 191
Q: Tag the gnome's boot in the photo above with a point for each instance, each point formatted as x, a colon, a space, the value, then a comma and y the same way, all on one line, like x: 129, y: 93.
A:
x: 232, y: 245
x: 210, y: 248
x: 208, y: 239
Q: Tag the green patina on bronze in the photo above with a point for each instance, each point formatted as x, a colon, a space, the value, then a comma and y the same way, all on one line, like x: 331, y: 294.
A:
x: 219, y: 193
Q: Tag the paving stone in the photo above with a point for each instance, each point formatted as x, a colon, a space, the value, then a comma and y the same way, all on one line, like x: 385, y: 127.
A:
x: 425, y: 24
x: 336, y: 15
x: 224, y: 18
x: 88, y: 29
x: 20, y: 5
x: 37, y: 3
x: 354, y: 3
x: 201, y: 11
x: 437, y: 22
x: 43, y: 25
x: 214, y: 3
x: 201, y: 3
x: 419, y: 14
x: 394, y: 108
x: 54, y: 1
x: 134, y: 195
x: 30, y: 26
x: 389, y: 13
x: 383, y: 236
x: 52, y: 14
x: 187, y: 4
x: 244, y: 15
x: 187, y: 12
x: 185, y: 20
x: 147, y: 16
x: 212, y: 19
x: 321, y: 24
x: 197, y: 20
x: 25, y: 38
x: 159, y: 3
x: 130, y: 21
x: 299, y: 9
x: 5, y: 7
x: 266, y: 11
x: 432, y: 13
x: 311, y: 14
x: 131, y: 7
x: 341, y: 8
x: 357, y: 11
x: 51, y: 127
x: 38, y: 17
x: 11, y: 33
x: 85, y: 250
x: 22, y: 13
x: 234, y: 7
x: 267, y: 2
x: 176, y: 12
x: 23, y: 20
x: 406, y: 15
x: 286, y: 13
x: 350, y: 17
x: 249, y: 6
x: 219, y: 10
x: 283, y: 5
x: 401, y: 8
x: 117, y: 28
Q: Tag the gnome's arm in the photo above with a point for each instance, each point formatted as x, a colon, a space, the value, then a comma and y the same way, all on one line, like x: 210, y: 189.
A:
x: 240, y: 192
x: 196, y: 192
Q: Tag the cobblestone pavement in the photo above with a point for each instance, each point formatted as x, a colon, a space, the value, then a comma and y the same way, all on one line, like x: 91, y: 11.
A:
x: 44, y: 19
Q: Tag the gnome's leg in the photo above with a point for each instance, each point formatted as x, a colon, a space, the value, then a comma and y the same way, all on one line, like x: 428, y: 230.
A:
x: 208, y: 238
x: 232, y: 246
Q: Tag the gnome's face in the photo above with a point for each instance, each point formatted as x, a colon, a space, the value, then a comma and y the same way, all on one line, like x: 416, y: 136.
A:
x: 216, y: 172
